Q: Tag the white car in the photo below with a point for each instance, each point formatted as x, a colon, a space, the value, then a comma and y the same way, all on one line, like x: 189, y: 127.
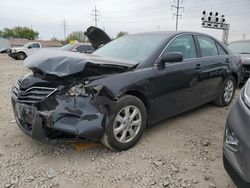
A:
x: 20, y: 53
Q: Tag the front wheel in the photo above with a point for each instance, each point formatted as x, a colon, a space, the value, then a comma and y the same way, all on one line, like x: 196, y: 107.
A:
x: 21, y: 56
x: 126, y: 125
x: 227, y: 91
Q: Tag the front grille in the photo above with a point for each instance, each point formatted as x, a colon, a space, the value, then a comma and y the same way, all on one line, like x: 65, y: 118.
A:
x: 32, y: 94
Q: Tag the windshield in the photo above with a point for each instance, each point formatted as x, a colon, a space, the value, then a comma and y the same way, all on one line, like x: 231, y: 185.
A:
x: 242, y: 47
x: 67, y: 47
x: 136, y: 48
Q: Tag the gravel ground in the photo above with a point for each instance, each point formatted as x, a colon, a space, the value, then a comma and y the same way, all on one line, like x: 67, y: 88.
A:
x: 184, y: 151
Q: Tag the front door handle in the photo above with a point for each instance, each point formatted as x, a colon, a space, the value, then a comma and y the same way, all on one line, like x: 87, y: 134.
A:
x: 198, y: 67
x: 227, y: 60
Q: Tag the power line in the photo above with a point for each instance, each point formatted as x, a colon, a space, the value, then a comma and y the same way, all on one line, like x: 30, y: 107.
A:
x: 64, y: 25
x: 141, y: 9
x: 96, y: 14
x: 177, y: 15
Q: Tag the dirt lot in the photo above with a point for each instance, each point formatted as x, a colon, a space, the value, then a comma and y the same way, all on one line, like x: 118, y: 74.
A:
x: 185, y: 151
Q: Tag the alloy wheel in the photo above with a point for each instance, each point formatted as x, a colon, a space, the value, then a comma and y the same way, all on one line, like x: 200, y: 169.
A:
x: 228, y: 91
x: 127, y: 124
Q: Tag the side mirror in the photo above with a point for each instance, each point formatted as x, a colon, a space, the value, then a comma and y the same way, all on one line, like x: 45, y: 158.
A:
x: 172, y: 57
x: 29, y: 47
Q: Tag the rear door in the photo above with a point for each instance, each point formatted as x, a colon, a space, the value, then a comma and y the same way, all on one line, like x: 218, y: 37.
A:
x: 215, y: 62
x: 179, y: 85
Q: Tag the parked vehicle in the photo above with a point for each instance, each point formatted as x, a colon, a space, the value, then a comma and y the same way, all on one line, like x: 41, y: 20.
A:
x: 4, y: 45
x: 243, y: 49
x: 20, y: 53
x: 236, y: 150
x: 79, y: 47
x: 128, y: 84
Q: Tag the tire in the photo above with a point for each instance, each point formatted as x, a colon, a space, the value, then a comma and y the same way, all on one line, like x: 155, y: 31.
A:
x: 21, y: 56
x: 121, y: 132
x: 229, y: 86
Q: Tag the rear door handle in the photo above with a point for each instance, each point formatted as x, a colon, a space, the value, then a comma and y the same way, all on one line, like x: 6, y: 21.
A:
x: 227, y: 60
x: 198, y: 67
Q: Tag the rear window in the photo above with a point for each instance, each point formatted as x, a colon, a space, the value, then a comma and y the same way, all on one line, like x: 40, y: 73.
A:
x: 207, y: 46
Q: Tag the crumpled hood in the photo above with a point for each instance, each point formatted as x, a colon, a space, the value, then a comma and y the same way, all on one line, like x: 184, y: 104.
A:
x: 61, y: 63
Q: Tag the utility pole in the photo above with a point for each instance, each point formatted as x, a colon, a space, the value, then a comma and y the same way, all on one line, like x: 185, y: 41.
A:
x: 64, y: 25
x: 96, y: 14
x: 158, y: 28
x: 177, y: 14
x: 244, y: 36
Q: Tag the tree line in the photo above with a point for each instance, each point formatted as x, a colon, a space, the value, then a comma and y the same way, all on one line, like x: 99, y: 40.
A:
x: 29, y: 33
x: 19, y: 32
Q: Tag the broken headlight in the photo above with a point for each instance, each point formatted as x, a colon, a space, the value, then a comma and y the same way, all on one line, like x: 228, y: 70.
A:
x: 230, y: 140
x: 81, y: 90
x: 77, y: 90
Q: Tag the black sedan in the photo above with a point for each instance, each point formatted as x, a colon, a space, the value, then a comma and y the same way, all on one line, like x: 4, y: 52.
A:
x: 128, y: 84
x: 236, y: 150
x: 78, y: 47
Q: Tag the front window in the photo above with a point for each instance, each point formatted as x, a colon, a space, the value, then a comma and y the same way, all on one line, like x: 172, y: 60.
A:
x: 35, y: 45
x: 183, y: 44
x: 242, y: 47
x: 136, y: 48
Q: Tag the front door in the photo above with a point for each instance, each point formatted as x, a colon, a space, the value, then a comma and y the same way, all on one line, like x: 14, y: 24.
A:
x: 179, y: 85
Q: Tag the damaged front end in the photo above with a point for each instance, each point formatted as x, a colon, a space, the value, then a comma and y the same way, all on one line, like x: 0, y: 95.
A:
x: 48, y: 113
x: 54, y: 106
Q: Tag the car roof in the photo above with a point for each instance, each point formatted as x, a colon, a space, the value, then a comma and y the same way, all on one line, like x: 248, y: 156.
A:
x: 240, y: 41
x: 169, y: 33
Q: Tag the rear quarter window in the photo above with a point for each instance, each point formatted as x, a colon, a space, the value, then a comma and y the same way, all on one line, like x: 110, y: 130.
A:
x: 221, y: 50
x: 207, y: 46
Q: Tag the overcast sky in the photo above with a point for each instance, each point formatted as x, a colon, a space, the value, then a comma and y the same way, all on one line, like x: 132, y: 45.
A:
x: 46, y: 16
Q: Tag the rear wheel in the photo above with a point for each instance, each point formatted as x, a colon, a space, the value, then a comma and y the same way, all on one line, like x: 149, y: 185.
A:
x: 21, y: 56
x: 125, y: 127
x: 227, y: 91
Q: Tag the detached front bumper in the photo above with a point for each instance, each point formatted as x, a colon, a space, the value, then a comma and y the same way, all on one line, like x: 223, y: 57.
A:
x: 60, y: 118
x: 245, y: 73
x: 236, y: 162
